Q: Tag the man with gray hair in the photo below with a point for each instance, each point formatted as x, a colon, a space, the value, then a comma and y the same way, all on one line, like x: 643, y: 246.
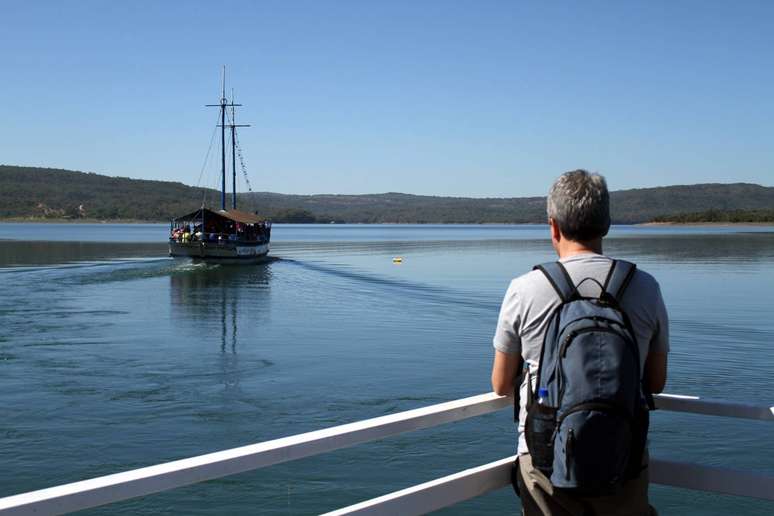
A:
x: 579, y: 217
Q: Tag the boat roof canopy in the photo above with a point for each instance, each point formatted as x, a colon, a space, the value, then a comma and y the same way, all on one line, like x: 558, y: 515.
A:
x: 244, y: 217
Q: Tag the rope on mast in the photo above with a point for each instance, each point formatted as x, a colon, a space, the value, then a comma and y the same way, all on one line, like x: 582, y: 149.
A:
x: 240, y: 156
x: 242, y: 163
x: 206, y: 161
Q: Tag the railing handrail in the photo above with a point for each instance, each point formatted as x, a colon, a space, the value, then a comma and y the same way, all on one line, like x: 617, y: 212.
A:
x: 436, y: 494
x: 470, y: 483
x: 161, y: 477
x: 713, y: 407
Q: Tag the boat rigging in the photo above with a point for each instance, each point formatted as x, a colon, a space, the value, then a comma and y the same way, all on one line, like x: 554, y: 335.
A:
x: 224, y: 235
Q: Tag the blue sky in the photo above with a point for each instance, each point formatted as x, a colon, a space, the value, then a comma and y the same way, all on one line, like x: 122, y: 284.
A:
x: 476, y: 98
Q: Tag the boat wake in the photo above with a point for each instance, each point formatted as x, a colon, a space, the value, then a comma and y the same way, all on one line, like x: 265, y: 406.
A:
x: 418, y: 291
x: 105, y: 271
x: 79, y: 265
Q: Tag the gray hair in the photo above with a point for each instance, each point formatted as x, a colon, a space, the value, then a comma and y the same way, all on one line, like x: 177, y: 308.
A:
x: 580, y: 205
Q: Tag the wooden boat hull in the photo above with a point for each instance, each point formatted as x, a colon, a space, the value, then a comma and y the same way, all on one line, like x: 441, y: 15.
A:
x: 220, y: 252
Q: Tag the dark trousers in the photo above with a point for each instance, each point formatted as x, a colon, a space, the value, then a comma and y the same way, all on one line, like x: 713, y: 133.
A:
x: 540, y: 498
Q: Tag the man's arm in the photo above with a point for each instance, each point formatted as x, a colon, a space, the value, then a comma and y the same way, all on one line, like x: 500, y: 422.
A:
x: 655, y: 371
x: 504, y: 371
x: 507, y: 343
x: 655, y: 374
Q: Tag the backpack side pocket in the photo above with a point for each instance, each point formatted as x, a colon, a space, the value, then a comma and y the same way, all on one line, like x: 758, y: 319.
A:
x: 539, y: 432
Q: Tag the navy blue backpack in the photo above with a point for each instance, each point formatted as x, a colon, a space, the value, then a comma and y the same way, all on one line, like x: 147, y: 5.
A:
x: 587, y: 417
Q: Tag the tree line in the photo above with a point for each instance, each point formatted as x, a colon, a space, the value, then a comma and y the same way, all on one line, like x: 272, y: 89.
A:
x: 56, y: 194
x: 719, y: 216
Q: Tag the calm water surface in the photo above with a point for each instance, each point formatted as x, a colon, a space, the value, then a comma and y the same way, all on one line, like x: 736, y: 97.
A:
x: 113, y: 356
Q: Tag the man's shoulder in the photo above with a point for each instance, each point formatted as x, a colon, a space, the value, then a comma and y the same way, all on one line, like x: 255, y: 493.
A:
x: 535, y: 281
x: 529, y: 287
x: 527, y: 281
x: 642, y: 294
x: 644, y: 280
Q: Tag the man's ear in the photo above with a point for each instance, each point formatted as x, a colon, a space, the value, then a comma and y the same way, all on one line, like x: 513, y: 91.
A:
x: 556, y: 235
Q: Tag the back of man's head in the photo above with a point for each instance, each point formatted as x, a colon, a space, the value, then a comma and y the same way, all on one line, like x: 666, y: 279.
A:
x: 579, y: 204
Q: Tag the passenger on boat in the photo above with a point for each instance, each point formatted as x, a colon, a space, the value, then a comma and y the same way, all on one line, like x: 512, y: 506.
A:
x: 579, y: 217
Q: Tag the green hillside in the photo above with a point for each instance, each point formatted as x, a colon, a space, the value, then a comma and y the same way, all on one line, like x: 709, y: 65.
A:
x: 720, y: 216
x: 647, y: 204
x: 56, y: 194
x: 28, y: 192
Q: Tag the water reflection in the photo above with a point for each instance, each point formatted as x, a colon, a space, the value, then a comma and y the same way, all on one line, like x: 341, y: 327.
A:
x: 19, y: 253
x: 706, y: 247
x: 721, y: 248
x: 228, y: 295
x: 223, y: 316
x: 227, y: 305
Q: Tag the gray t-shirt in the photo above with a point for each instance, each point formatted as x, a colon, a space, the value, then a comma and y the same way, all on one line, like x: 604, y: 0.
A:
x: 530, y: 301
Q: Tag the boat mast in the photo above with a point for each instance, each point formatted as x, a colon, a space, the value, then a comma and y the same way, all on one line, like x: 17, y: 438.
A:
x: 223, y: 142
x: 224, y: 103
x: 233, y: 153
x: 233, y: 127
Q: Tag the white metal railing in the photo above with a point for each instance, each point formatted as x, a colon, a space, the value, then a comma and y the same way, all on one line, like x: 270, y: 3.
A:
x: 710, y: 407
x: 452, y: 489
x: 414, y: 500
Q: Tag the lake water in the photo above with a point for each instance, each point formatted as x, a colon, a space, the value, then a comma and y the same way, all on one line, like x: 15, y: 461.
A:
x: 113, y: 356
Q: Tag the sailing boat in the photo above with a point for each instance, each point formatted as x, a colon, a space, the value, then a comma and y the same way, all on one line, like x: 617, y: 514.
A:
x: 225, y: 235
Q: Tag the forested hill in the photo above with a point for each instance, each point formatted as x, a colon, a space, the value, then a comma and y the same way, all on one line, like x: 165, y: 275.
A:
x: 27, y: 192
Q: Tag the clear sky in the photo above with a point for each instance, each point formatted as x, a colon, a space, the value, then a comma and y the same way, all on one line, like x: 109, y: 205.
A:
x: 468, y: 98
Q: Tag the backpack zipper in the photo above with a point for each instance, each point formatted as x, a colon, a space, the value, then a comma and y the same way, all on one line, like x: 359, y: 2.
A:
x: 599, y: 406
x: 568, y: 449
x: 571, y: 336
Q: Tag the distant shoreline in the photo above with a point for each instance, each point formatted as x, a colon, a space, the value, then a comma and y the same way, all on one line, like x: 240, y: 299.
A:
x: 42, y: 195
x: 34, y: 220
x: 705, y: 224
x: 22, y: 220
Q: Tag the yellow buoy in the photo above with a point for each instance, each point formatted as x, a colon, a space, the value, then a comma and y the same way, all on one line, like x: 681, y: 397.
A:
x: 397, y: 259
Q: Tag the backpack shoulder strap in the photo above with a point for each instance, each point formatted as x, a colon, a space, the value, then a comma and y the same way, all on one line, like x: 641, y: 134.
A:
x: 559, y: 278
x: 621, y: 273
